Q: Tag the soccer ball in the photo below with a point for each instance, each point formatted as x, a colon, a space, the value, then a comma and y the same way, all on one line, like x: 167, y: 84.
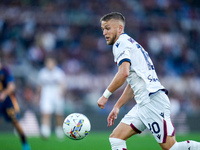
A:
x: 76, y: 126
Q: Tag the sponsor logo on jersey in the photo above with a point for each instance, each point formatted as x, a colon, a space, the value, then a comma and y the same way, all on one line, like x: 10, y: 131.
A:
x: 152, y: 79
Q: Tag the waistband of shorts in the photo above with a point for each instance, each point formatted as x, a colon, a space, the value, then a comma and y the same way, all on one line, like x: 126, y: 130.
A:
x: 164, y: 90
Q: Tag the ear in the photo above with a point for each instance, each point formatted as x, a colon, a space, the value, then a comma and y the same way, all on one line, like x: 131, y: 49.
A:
x: 121, y: 28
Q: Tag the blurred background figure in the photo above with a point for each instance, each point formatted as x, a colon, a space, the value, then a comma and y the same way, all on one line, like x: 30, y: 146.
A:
x: 52, y: 86
x: 9, y: 108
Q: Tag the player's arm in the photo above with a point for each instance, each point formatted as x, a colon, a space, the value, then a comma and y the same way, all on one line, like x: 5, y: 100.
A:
x: 39, y: 89
x: 7, y: 91
x: 120, y: 77
x: 63, y: 84
x: 40, y: 82
x: 118, y: 81
x: 125, y: 97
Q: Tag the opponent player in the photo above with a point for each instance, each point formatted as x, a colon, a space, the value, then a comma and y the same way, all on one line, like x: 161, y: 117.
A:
x: 9, y: 108
x: 52, y: 85
x: 152, y: 110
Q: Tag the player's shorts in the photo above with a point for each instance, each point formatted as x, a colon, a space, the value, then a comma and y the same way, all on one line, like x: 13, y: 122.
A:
x: 9, y: 109
x: 51, y: 105
x: 154, y: 115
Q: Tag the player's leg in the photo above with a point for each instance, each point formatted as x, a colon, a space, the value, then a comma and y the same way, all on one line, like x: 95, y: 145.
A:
x: 186, y: 145
x: 119, y: 136
x: 59, y: 111
x: 130, y: 125
x: 161, y: 126
x: 45, y: 125
x: 59, y: 130
x: 171, y: 144
x: 170, y: 141
x: 11, y: 115
x: 25, y: 145
x: 46, y: 108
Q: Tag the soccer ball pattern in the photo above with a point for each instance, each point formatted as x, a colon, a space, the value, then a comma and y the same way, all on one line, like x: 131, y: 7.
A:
x: 76, y: 126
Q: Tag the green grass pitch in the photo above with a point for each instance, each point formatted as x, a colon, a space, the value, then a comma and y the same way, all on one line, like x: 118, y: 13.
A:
x: 94, y: 141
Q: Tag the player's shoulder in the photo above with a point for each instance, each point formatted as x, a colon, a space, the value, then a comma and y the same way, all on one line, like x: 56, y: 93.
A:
x: 124, y: 40
x: 42, y: 71
x: 58, y: 69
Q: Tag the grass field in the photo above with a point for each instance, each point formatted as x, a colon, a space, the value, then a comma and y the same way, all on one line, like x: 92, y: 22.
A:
x: 94, y: 141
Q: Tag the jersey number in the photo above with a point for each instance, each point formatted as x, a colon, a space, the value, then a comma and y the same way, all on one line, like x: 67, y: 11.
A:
x: 146, y: 56
x: 154, y: 127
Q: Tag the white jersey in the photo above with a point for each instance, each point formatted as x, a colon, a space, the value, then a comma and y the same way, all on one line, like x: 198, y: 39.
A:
x: 51, y: 81
x: 142, y: 77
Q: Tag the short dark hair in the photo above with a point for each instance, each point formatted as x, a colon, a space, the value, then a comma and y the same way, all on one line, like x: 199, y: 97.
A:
x: 113, y: 15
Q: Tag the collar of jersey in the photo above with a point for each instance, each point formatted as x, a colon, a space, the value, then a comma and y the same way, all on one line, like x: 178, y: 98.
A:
x: 118, y: 38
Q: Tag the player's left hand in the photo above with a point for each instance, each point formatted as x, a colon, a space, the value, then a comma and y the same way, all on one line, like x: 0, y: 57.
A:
x: 102, y: 101
x: 112, y: 116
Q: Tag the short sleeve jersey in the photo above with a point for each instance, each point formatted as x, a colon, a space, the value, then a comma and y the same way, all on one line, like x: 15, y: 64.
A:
x: 142, y: 77
x: 51, y: 81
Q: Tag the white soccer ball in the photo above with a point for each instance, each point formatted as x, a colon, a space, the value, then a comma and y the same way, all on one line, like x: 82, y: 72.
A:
x: 76, y: 126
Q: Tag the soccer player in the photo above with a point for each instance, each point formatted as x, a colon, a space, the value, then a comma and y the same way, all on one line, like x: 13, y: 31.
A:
x: 52, y: 85
x: 9, y: 108
x: 152, y: 110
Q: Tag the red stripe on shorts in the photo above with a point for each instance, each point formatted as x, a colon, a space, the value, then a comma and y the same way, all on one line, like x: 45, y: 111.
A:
x: 173, y: 133
x: 135, y: 129
x: 165, y: 131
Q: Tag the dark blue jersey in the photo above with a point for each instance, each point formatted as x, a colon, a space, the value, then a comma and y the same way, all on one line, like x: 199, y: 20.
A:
x: 5, y: 78
x: 9, y: 107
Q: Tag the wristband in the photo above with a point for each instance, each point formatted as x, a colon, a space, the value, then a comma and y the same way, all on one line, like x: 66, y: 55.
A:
x: 107, y: 93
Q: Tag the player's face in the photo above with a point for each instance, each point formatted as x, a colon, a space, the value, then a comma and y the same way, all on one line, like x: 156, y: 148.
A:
x: 50, y: 63
x: 110, y: 31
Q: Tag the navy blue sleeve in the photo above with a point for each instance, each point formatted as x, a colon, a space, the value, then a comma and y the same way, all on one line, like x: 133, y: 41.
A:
x: 9, y: 77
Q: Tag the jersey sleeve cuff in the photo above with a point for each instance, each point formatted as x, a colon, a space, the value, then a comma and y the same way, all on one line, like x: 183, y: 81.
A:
x: 123, y: 60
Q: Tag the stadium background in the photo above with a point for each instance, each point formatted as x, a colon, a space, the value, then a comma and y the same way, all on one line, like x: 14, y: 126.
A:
x: 70, y: 30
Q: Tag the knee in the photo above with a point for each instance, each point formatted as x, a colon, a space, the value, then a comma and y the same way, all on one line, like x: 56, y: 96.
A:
x: 117, y: 135
x: 112, y: 135
x: 167, y: 147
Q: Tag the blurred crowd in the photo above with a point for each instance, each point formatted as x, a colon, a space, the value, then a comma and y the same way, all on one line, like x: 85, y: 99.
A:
x: 69, y: 30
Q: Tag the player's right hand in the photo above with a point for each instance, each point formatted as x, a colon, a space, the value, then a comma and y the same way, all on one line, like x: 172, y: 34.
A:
x: 102, y: 101
x: 112, y: 116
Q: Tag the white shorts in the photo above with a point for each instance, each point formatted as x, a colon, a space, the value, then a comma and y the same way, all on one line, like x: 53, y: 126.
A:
x: 51, y: 105
x: 154, y: 115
